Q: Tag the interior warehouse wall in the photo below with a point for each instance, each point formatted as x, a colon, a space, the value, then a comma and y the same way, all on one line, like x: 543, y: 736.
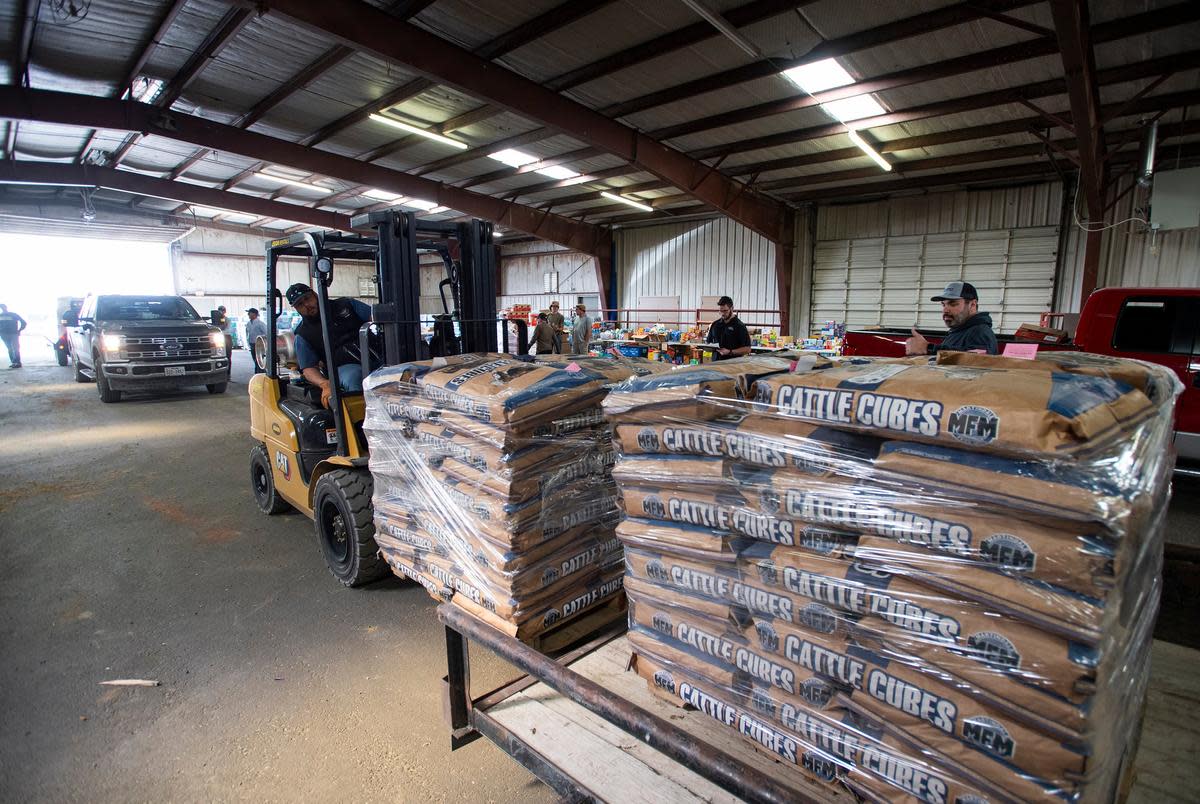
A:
x: 1130, y: 256
x: 523, y: 269
x: 214, y: 267
x: 878, y: 263
x: 675, y: 265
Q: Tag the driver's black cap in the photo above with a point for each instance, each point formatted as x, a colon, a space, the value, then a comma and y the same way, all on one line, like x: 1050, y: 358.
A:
x: 296, y: 292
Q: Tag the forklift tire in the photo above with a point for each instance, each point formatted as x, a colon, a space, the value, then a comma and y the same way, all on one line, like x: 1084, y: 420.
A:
x: 346, y: 528
x: 61, y: 356
x: 79, y: 375
x: 262, y: 483
x: 216, y: 388
x: 106, y: 394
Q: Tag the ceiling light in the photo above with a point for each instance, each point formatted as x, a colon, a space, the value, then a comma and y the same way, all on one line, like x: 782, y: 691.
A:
x: 411, y: 129
x: 293, y: 182
x: 145, y: 90
x: 866, y: 148
x: 381, y: 195
x: 512, y: 157
x: 819, y: 76
x: 428, y: 206
x: 207, y: 212
x: 629, y: 201
x: 496, y: 233
x: 855, y: 108
x: 558, y: 172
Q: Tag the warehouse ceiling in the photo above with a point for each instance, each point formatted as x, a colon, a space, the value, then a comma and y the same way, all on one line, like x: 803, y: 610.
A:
x: 561, y: 118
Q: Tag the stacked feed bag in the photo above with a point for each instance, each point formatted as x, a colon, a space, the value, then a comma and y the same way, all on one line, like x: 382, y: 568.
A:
x: 933, y: 579
x: 493, y: 483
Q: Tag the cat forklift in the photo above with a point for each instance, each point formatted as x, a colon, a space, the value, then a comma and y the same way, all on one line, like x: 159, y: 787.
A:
x: 314, y: 459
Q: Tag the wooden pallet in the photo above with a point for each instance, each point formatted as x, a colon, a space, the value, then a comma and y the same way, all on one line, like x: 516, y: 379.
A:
x: 563, y: 634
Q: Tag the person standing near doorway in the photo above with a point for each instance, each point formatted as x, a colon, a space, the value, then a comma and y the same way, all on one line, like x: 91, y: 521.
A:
x: 728, y: 332
x: 581, y: 331
x: 11, y: 327
x: 255, y: 328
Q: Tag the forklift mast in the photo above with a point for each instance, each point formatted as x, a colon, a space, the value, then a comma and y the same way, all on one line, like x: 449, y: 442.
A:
x: 467, y: 251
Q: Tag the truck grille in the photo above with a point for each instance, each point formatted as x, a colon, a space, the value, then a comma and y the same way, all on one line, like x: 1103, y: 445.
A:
x: 166, y: 347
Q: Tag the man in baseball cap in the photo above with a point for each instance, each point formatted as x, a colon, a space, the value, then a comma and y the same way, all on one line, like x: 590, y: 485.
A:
x: 346, y: 317
x: 970, y: 330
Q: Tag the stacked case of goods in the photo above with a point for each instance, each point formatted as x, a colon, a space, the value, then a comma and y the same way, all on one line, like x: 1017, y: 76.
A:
x: 493, y: 483
x: 925, y: 578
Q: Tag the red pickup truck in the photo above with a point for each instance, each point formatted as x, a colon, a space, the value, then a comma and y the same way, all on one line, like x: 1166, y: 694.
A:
x: 1159, y: 325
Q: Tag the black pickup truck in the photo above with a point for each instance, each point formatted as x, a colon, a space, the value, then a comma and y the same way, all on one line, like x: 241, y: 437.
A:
x: 146, y: 343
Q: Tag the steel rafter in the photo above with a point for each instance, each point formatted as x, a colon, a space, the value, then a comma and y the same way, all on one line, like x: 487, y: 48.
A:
x: 84, y: 110
x: 884, y: 34
x: 144, y: 52
x: 361, y: 25
x: 230, y: 25
x: 55, y: 173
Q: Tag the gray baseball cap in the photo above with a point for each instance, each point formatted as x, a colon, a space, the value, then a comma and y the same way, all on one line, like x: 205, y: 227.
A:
x: 957, y: 290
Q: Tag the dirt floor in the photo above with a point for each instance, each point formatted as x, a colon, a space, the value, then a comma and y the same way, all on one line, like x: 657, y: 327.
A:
x: 133, y: 549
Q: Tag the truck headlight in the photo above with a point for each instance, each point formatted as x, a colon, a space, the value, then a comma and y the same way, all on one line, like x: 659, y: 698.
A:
x: 218, y: 340
x: 112, y: 343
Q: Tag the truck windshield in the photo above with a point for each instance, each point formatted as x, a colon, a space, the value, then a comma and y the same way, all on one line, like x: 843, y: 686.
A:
x: 145, y: 308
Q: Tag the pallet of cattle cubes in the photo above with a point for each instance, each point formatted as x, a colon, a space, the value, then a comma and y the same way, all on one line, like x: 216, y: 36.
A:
x: 493, y: 485
x: 932, y: 579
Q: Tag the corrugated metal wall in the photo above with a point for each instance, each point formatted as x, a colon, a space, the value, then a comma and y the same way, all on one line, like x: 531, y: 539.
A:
x: 1130, y: 255
x: 878, y: 263
x: 694, y: 259
x: 523, y: 267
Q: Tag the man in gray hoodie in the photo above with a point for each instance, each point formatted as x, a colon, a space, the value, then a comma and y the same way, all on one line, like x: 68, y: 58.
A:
x: 970, y: 329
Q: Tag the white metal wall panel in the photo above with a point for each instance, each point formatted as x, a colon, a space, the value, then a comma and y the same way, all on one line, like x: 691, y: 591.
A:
x: 878, y: 264
x: 714, y: 257
x: 96, y: 229
x: 889, y: 281
x: 1130, y: 255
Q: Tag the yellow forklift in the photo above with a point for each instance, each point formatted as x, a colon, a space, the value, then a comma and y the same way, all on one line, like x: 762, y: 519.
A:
x: 313, y: 458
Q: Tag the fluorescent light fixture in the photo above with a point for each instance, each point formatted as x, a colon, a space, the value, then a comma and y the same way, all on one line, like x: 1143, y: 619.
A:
x: 428, y: 206
x: 43, y: 183
x: 514, y: 158
x: 381, y: 195
x: 629, y: 201
x: 146, y: 89
x: 819, y: 76
x: 496, y: 233
x: 856, y: 108
x: 436, y: 210
x: 866, y: 148
x: 558, y: 172
x: 294, y: 182
x: 411, y: 129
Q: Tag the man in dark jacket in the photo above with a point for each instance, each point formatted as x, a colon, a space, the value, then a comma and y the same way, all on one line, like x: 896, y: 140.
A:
x: 728, y: 332
x: 346, y: 318
x: 970, y: 329
x: 11, y: 326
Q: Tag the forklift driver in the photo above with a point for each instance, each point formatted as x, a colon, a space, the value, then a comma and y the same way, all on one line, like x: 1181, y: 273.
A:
x: 346, y: 317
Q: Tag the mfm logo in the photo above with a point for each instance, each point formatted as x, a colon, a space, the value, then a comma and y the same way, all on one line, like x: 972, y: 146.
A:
x: 647, y: 440
x: 973, y: 424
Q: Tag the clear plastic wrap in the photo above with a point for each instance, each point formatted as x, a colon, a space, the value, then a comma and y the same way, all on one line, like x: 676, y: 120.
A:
x: 933, y: 579
x: 493, y: 482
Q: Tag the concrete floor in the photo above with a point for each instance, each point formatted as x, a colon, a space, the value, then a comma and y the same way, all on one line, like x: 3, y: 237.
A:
x: 134, y: 550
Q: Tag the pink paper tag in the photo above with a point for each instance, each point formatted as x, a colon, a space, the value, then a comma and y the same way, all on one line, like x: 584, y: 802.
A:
x: 1024, y: 351
x: 572, y: 366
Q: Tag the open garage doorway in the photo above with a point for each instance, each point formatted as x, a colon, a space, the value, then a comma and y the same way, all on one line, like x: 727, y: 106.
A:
x: 40, y: 273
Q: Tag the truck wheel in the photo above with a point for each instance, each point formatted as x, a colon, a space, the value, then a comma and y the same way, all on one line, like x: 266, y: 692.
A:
x: 79, y: 375
x: 346, y: 528
x: 61, y: 355
x: 216, y: 387
x: 262, y: 482
x: 106, y: 394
